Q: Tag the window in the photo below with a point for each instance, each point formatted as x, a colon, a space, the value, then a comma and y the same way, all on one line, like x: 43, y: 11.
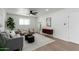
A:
x: 24, y: 22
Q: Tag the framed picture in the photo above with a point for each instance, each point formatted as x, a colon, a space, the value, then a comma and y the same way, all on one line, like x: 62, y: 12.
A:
x: 48, y: 21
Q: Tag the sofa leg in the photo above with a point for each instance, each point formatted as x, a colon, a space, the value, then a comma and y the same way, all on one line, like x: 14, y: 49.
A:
x: 20, y: 49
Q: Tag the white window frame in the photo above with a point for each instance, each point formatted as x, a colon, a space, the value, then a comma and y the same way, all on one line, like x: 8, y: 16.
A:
x: 24, y: 21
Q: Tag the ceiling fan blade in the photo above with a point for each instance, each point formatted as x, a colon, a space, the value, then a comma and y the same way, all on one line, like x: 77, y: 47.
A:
x: 33, y: 13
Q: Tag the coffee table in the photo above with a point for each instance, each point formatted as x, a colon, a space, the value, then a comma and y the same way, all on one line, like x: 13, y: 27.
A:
x: 29, y: 38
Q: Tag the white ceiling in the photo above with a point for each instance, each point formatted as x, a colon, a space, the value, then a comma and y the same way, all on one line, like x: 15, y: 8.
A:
x: 25, y: 11
x: 42, y: 11
x: 18, y: 11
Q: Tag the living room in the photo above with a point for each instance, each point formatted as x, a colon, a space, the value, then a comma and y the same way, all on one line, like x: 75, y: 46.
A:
x: 39, y: 29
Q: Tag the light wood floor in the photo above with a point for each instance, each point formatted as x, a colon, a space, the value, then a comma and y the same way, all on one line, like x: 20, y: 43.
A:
x: 59, y: 45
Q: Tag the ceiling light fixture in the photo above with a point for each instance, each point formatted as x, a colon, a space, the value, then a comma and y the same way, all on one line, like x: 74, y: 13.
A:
x: 46, y: 9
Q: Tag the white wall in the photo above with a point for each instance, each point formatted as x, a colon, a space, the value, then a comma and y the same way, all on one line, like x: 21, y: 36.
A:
x: 16, y: 18
x: 68, y: 32
x: 2, y: 19
x: 58, y: 19
x: 74, y: 26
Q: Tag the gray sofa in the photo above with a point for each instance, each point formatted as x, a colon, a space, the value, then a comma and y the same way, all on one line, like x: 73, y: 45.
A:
x: 12, y: 44
x: 15, y: 44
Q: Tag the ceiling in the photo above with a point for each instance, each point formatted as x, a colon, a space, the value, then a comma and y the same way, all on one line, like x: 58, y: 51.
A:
x: 18, y: 11
x: 43, y: 11
x: 25, y: 11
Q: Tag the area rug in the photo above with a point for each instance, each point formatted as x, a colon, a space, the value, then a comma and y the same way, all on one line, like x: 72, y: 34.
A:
x: 40, y: 41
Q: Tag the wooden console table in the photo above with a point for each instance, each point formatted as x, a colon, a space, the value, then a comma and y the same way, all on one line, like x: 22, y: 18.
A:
x: 47, y: 31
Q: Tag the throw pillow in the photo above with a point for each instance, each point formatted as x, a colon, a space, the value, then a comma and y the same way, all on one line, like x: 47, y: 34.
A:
x: 5, y: 35
x: 12, y: 34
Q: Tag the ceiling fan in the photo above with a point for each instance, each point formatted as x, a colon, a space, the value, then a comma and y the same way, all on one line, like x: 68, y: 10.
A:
x: 33, y: 12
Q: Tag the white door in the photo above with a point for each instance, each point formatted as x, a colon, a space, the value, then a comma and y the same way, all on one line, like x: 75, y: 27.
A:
x: 39, y: 27
x: 66, y: 27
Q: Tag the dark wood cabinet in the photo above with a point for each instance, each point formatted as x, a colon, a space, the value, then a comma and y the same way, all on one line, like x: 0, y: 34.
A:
x: 47, y: 31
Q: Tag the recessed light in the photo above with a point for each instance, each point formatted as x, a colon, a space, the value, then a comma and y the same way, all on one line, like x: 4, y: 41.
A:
x: 46, y: 9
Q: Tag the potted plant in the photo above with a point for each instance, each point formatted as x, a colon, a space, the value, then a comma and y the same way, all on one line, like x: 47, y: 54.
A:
x: 10, y: 23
